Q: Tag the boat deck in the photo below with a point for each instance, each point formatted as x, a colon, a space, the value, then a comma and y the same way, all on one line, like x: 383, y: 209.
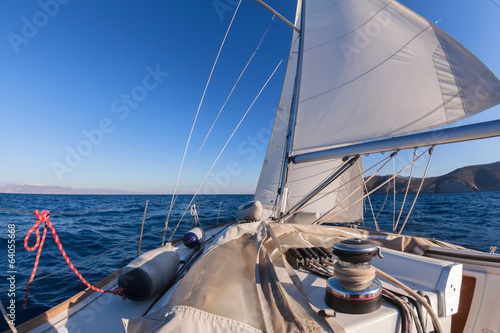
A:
x: 91, y: 311
x: 439, y: 279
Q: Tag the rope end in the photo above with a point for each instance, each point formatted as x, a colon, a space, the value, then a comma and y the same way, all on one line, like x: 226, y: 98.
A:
x: 119, y: 292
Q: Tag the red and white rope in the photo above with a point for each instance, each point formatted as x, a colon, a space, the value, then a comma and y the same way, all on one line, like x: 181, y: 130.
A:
x: 43, y: 217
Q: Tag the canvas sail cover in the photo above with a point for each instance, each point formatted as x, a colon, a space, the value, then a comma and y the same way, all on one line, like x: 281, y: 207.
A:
x: 372, y: 69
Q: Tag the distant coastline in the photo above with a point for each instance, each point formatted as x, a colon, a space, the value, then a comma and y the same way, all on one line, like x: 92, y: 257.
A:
x: 46, y: 189
x: 474, y: 178
x: 65, y: 190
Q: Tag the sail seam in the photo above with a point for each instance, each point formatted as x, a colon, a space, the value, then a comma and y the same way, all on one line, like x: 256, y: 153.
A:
x: 369, y: 71
x: 428, y: 114
x: 350, y: 32
x: 320, y: 10
x: 313, y: 175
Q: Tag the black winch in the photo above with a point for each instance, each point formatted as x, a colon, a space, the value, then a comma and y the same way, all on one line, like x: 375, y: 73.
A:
x: 354, y: 288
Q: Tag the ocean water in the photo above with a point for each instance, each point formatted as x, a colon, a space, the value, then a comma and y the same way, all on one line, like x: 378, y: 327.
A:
x: 465, y: 218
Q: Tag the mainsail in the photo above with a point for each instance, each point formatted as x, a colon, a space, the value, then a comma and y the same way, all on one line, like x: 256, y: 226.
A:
x: 370, y: 69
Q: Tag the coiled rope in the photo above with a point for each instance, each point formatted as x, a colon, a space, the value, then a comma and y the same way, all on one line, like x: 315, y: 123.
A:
x: 43, y: 217
x: 354, y: 278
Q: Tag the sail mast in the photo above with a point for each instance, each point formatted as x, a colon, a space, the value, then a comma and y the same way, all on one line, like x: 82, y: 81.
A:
x: 293, y: 114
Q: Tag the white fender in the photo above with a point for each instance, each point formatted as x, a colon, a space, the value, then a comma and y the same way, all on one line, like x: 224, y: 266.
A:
x: 251, y: 211
x: 148, y: 274
x: 193, y: 237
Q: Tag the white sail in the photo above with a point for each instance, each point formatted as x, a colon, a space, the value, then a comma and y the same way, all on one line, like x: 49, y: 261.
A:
x: 270, y: 177
x: 341, y: 194
x: 375, y: 69
x: 370, y: 69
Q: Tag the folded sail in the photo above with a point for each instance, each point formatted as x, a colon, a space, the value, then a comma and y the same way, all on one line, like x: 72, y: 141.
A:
x: 371, y: 69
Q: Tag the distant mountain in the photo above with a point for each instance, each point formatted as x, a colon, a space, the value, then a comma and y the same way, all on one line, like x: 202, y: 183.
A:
x: 46, y: 189
x: 474, y: 178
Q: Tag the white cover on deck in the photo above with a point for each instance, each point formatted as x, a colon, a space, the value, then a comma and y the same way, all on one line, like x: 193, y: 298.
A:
x: 234, y: 286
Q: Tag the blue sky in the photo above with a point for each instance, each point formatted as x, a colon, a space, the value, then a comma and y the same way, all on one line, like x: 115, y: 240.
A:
x: 102, y: 94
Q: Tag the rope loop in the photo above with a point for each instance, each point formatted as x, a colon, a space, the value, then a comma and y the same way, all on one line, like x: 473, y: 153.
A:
x: 43, y: 217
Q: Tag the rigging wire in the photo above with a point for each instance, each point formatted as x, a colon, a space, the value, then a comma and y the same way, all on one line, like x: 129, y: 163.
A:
x: 369, y: 201
x: 394, y: 194
x: 431, y: 151
x: 195, y: 118
x: 319, y: 221
x: 330, y: 173
x: 221, y: 109
x: 349, y: 181
x: 353, y: 192
x: 307, y: 166
x: 385, y: 201
x: 394, y: 228
x: 308, y: 176
x: 225, y: 145
x: 16, y: 211
x: 194, y: 214
x: 495, y: 3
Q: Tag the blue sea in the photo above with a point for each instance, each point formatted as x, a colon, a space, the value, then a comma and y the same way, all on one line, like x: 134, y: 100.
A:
x: 471, y: 219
